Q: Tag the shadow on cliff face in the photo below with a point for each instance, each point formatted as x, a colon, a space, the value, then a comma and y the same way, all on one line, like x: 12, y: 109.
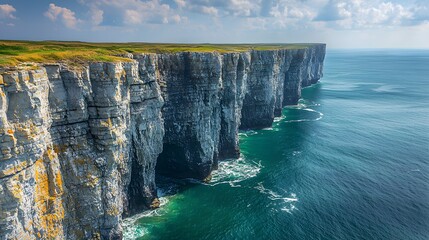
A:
x: 172, y: 162
x: 169, y: 161
x: 140, y: 198
x: 173, y: 178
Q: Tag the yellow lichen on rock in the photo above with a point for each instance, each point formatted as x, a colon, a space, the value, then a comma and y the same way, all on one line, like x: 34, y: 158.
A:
x: 26, y: 78
x: 48, y: 202
x: 59, y: 181
x: 10, y: 137
x: 50, y: 154
x: 15, y: 187
x: 28, y: 129
x: 14, y: 169
x: 112, y: 211
x: 59, y: 148
x: 107, y: 123
x: 92, y: 180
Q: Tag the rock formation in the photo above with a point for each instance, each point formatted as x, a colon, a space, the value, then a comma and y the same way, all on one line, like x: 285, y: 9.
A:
x: 80, y: 146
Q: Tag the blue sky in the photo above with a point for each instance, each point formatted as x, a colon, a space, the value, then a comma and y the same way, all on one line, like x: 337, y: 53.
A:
x: 339, y: 23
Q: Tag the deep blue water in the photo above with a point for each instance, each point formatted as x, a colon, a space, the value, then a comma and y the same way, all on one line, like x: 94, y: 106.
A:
x: 351, y: 161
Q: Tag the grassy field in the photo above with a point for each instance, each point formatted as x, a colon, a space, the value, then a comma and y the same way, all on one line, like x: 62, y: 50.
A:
x: 16, y: 52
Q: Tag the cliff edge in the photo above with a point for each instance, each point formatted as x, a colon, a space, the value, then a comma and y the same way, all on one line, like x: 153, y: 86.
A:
x: 80, y: 147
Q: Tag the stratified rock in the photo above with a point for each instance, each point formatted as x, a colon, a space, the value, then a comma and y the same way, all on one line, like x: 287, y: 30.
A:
x: 80, y: 146
x: 191, y: 113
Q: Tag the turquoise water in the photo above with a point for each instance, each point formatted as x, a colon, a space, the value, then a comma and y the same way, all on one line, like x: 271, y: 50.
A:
x: 351, y: 161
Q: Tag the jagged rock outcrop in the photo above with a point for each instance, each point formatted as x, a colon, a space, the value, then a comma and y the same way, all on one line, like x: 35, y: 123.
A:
x: 80, y: 146
x: 235, y: 72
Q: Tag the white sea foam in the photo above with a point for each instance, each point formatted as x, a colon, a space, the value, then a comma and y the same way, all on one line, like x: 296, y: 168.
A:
x: 132, y: 230
x: 234, y: 171
x: 300, y: 105
x: 294, y: 153
x: 278, y: 119
x: 247, y: 133
x: 307, y: 119
x: 287, y: 202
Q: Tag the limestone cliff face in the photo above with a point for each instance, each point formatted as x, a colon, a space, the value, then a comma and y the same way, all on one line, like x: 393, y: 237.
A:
x: 191, y: 113
x: 80, y: 147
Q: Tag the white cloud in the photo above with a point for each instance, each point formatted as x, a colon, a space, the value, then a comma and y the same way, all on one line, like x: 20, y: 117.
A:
x: 209, y: 10
x: 6, y: 11
x: 96, y: 16
x: 237, y: 8
x: 178, y: 19
x: 364, y: 14
x: 244, y: 7
x: 132, y: 17
x: 288, y: 13
x: 67, y: 16
x: 256, y: 23
x: 421, y: 12
x: 135, y: 12
x: 270, y: 14
x: 180, y: 3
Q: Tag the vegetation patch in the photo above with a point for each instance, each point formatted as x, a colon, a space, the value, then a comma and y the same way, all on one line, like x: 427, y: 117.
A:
x: 13, y: 53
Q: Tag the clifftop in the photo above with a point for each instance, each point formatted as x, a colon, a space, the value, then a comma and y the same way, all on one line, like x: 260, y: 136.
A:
x: 81, y: 146
x: 13, y: 53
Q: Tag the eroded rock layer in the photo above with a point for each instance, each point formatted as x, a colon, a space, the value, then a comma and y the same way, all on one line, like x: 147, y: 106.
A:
x: 80, y: 146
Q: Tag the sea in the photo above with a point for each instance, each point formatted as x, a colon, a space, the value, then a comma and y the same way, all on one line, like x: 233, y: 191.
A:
x: 350, y: 161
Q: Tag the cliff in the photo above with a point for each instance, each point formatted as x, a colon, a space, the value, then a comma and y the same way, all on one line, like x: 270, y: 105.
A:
x: 80, y: 146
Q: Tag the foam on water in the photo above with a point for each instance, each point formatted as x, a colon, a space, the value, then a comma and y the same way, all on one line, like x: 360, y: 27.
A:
x: 234, y: 171
x: 278, y: 119
x: 306, y: 119
x: 247, y: 133
x: 132, y: 230
x: 287, y: 203
x: 294, y: 153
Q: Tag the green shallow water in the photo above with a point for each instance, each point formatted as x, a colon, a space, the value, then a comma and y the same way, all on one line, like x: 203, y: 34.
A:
x: 351, y: 161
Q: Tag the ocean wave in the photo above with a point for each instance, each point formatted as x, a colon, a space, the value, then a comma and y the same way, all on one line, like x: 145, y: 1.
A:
x: 133, y: 230
x: 278, y: 119
x: 247, y: 133
x: 387, y: 89
x: 300, y: 105
x: 306, y: 119
x: 287, y: 202
x: 345, y: 87
x: 234, y: 171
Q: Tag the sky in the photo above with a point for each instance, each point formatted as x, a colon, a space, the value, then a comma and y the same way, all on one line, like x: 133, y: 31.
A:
x: 339, y: 23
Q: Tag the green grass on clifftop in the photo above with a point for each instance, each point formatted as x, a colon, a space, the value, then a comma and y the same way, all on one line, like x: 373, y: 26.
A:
x: 16, y: 52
